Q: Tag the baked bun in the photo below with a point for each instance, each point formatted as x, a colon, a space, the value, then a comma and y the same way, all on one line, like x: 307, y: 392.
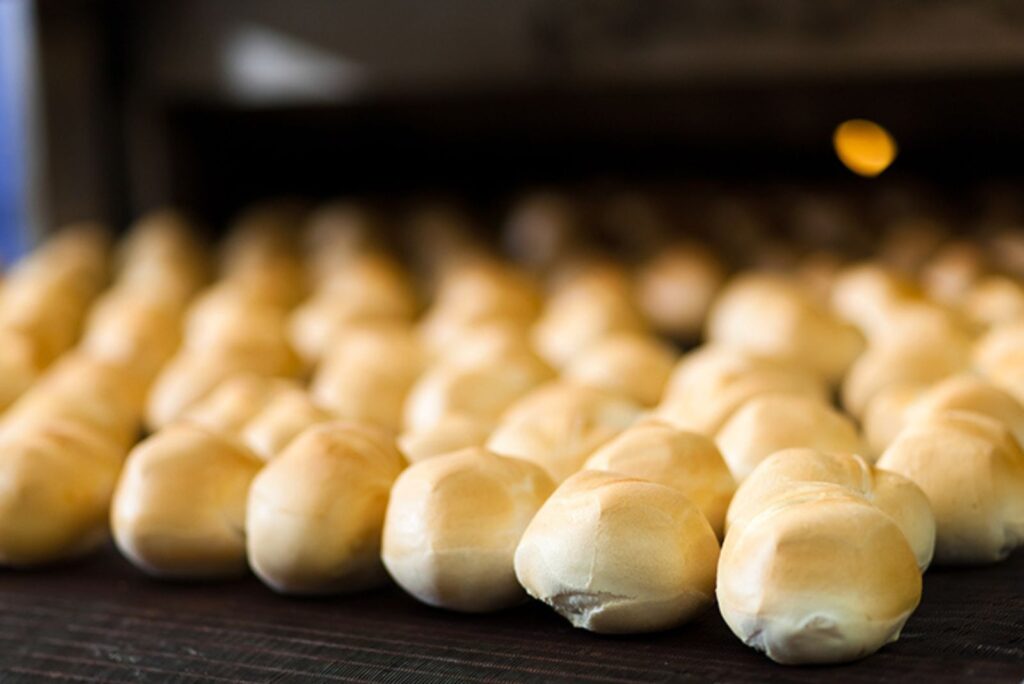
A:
x: 453, y: 524
x: 969, y: 392
x: 367, y: 373
x: 711, y: 382
x: 134, y: 329
x: 56, y: 480
x: 972, y: 471
x: 632, y: 364
x: 315, y: 513
x: 771, y: 422
x: 865, y: 293
x: 179, y: 507
x: 675, y: 289
x: 616, y: 554
x: 772, y: 317
x: 885, y: 415
x: 481, y: 390
x: 590, y: 307
x: 787, y: 469
x: 812, y: 596
x: 687, y: 461
x: 280, y: 420
x: 993, y: 301
x: 558, y: 426
x: 454, y: 432
x: 234, y: 402
x: 999, y: 356
x: 18, y: 367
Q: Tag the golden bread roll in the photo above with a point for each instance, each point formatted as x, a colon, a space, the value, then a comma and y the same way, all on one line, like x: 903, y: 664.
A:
x: 675, y: 288
x: 558, y: 426
x: 784, y: 470
x: 335, y: 236
x: 793, y: 586
x: 687, y: 461
x: 18, y: 368
x: 368, y: 372
x: 229, y: 406
x: 971, y: 468
x: 969, y: 392
x: 948, y: 276
x: 865, y: 293
x: 993, y: 301
x: 999, y: 356
x: 56, y: 480
x: 179, y: 507
x: 616, y: 554
x: 885, y: 414
x: 772, y: 422
x: 285, y: 415
x: 161, y: 257
x: 128, y: 327
x: 454, y: 432
x: 582, y: 312
x: 452, y: 526
x: 632, y: 364
x: 316, y: 512
x: 710, y: 383
x: 914, y: 360
x: 771, y: 317
x: 481, y: 390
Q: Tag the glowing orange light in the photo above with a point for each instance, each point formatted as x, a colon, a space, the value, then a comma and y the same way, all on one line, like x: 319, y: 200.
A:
x: 864, y: 147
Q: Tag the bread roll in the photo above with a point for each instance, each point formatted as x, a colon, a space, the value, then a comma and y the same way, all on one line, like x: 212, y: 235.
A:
x: 771, y: 317
x: 479, y: 390
x: 229, y: 406
x: 885, y: 414
x: 787, y: 469
x: 771, y: 422
x: 56, y: 480
x: 179, y: 507
x: 368, y: 373
x: 453, y: 524
x: 710, y: 383
x: 18, y: 367
x: 790, y: 583
x: 453, y: 433
x: 972, y: 471
x: 616, y: 554
x: 998, y: 353
x: 558, y: 426
x: 541, y: 229
x: 675, y: 289
x: 633, y: 365
x: 161, y: 257
x: 994, y: 300
x: 590, y: 307
x: 336, y: 235
x: 968, y: 392
x: 655, y: 451
x: 915, y: 360
x: 865, y: 293
x: 950, y: 273
x: 316, y: 512
x: 129, y: 327
x: 285, y: 415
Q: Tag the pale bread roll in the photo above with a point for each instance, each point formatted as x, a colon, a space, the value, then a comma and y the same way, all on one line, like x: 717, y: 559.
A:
x: 772, y: 317
x: 948, y: 276
x: 972, y: 470
x: 234, y: 402
x: 993, y: 301
x: 335, y: 236
x: 786, y: 469
x: 316, y: 512
x: 969, y: 392
x: 589, y: 308
x: 675, y: 288
x: 631, y: 364
x: 917, y: 321
x: 616, y: 554
x: 368, y: 372
x: 772, y: 422
x: 915, y: 360
x: 179, y: 507
x: 480, y: 390
x: 793, y: 586
x: 999, y: 356
x: 885, y: 414
x: 558, y: 426
x: 56, y: 480
x: 161, y: 257
x: 453, y: 524
x: 281, y: 419
x: 711, y: 382
x: 132, y: 328
x: 865, y: 293
x: 452, y: 433
x: 687, y: 461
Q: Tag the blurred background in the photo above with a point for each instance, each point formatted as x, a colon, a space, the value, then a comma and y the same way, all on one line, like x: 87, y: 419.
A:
x: 109, y: 108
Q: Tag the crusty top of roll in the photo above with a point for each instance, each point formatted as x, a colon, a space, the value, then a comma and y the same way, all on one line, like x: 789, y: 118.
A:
x: 894, y: 494
x: 453, y: 433
x: 711, y: 382
x: 770, y: 422
x: 968, y: 392
x: 632, y: 364
x: 559, y: 425
x: 687, y: 461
